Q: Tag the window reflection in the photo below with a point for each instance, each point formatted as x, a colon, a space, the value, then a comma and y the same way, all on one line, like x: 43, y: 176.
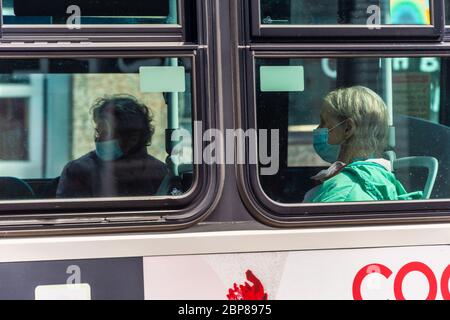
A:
x: 14, y: 125
x: 329, y: 12
x: 90, y: 12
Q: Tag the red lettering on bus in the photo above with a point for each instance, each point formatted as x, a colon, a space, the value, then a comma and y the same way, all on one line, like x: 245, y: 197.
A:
x: 369, y: 269
x: 419, y: 267
x: 400, y: 278
x: 444, y: 283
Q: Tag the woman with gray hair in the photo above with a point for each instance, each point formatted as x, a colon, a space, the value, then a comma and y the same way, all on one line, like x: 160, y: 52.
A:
x: 352, y: 136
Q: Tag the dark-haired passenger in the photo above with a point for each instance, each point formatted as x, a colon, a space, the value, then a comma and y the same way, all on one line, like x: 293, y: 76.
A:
x: 120, y: 166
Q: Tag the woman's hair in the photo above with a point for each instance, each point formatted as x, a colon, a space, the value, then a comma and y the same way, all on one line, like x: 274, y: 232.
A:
x: 369, y: 113
x: 129, y: 114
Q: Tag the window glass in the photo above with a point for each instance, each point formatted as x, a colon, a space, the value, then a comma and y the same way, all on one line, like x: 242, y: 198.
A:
x: 447, y: 12
x: 329, y: 12
x: 14, y: 117
x: 95, y: 127
x: 356, y: 129
x: 86, y: 12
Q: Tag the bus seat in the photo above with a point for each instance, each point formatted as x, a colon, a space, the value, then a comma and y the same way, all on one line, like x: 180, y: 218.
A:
x: 52, y: 187
x: 15, y: 189
x: 422, y: 138
x: 430, y: 163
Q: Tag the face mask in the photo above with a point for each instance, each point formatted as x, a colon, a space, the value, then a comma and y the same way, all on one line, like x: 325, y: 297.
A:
x: 328, y: 152
x: 108, y: 150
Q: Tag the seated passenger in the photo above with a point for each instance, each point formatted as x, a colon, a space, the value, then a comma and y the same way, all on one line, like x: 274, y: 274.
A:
x: 120, y: 165
x: 352, y: 136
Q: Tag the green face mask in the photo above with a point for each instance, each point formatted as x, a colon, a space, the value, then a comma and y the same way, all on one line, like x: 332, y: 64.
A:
x: 108, y: 150
x: 328, y: 152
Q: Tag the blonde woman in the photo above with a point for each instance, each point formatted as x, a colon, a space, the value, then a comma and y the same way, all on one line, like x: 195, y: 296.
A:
x: 352, y: 136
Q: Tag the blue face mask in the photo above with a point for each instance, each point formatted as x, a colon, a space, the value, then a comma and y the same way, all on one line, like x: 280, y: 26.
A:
x: 328, y: 152
x: 108, y: 150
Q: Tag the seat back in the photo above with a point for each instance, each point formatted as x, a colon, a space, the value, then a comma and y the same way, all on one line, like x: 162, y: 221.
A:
x: 15, y: 189
x: 421, y: 138
x: 430, y: 163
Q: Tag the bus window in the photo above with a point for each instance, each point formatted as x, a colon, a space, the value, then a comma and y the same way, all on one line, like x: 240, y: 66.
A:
x: 365, y: 20
x: 95, y: 127
x: 332, y: 12
x: 45, y: 12
x: 447, y: 12
x: 357, y: 129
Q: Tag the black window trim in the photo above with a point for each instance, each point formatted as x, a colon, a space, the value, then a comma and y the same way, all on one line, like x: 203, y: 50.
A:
x: 166, y: 212
x: 110, y: 32
x: 276, y: 214
x: 296, y: 33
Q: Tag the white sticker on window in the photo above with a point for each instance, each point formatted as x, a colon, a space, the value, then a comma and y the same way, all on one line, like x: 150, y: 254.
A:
x: 162, y: 79
x: 63, y: 292
x: 282, y: 79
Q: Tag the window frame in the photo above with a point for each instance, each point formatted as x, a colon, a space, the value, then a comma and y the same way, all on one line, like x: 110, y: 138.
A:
x: 295, y: 33
x: 98, y: 32
x: 275, y: 214
x: 122, y: 214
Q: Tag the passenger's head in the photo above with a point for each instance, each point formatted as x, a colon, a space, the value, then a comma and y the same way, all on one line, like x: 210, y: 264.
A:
x: 124, y: 119
x: 357, y: 119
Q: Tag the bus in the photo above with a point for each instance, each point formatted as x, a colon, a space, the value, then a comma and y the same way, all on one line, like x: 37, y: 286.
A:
x: 164, y: 150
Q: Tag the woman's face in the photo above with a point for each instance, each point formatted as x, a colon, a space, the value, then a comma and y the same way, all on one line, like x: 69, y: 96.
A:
x: 337, y: 133
x: 104, y: 130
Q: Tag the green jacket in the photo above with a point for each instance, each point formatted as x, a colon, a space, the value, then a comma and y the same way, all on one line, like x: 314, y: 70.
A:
x: 363, y: 181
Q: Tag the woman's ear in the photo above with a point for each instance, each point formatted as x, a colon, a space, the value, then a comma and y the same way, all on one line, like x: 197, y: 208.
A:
x: 350, y: 128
